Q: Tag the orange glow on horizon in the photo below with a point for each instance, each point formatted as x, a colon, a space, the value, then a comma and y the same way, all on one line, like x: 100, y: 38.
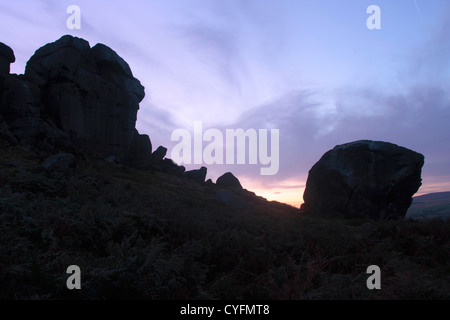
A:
x: 291, y: 192
x: 433, y: 185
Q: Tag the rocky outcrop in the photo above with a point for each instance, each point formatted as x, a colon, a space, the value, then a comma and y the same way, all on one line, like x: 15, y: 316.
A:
x: 20, y: 108
x: 90, y: 93
x: 159, y: 154
x: 6, y: 58
x: 159, y: 162
x: 198, y: 175
x: 168, y: 166
x: 73, y: 96
x: 228, y: 181
x: 140, y: 151
x: 363, y: 178
x: 21, y: 120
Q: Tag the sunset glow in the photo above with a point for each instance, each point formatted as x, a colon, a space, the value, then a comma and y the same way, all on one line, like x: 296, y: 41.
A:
x: 311, y: 69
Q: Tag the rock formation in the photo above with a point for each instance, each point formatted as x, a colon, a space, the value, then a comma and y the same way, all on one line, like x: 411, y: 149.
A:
x: 139, y: 153
x: 6, y: 58
x: 74, y: 96
x: 90, y: 93
x: 21, y: 119
x: 198, y: 175
x: 363, y: 179
x: 228, y: 181
x: 159, y: 154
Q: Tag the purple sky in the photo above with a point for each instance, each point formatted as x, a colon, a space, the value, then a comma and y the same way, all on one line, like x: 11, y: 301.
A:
x: 311, y: 69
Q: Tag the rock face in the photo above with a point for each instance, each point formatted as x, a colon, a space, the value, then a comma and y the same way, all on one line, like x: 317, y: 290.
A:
x: 90, y: 93
x: 140, y: 150
x: 6, y: 58
x: 74, y: 95
x: 228, y: 181
x: 363, y: 178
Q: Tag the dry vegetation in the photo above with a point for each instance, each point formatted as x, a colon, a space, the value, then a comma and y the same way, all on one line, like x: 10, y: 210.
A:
x: 148, y: 235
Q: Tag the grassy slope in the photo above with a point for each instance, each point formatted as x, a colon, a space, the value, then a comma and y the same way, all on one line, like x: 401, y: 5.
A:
x: 150, y: 235
x: 430, y: 206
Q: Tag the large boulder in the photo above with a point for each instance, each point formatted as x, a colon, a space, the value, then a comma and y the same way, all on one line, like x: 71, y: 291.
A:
x: 6, y: 58
x: 363, y: 179
x: 90, y: 94
x: 228, y: 181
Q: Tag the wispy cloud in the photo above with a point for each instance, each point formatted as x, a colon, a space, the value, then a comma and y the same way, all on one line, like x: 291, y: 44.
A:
x: 419, y: 11
x: 304, y: 68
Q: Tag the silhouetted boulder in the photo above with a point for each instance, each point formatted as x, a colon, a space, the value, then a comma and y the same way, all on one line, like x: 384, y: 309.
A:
x: 363, y: 178
x: 198, y: 175
x: 228, y: 181
x: 90, y: 94
x: 159, y: 154
x: 6, y: 58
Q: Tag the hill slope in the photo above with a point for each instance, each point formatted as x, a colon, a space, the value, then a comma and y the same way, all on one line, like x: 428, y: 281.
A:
x: 429, y: 206
x: 146, y: 234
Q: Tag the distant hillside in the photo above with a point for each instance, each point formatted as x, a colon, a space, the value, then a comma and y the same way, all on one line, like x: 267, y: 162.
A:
x: 429, y: 206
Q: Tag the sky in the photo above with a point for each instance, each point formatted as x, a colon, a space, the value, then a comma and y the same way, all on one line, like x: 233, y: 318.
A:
x: 310, y: 68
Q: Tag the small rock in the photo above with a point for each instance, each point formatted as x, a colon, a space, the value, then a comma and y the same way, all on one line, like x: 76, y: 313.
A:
x: 60, y: 164
x: 229, y: 181
x: 159, y: 154
x: 197, y: 175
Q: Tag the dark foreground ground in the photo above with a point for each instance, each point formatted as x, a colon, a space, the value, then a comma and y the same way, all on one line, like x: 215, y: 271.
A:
x: 145, y: 234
